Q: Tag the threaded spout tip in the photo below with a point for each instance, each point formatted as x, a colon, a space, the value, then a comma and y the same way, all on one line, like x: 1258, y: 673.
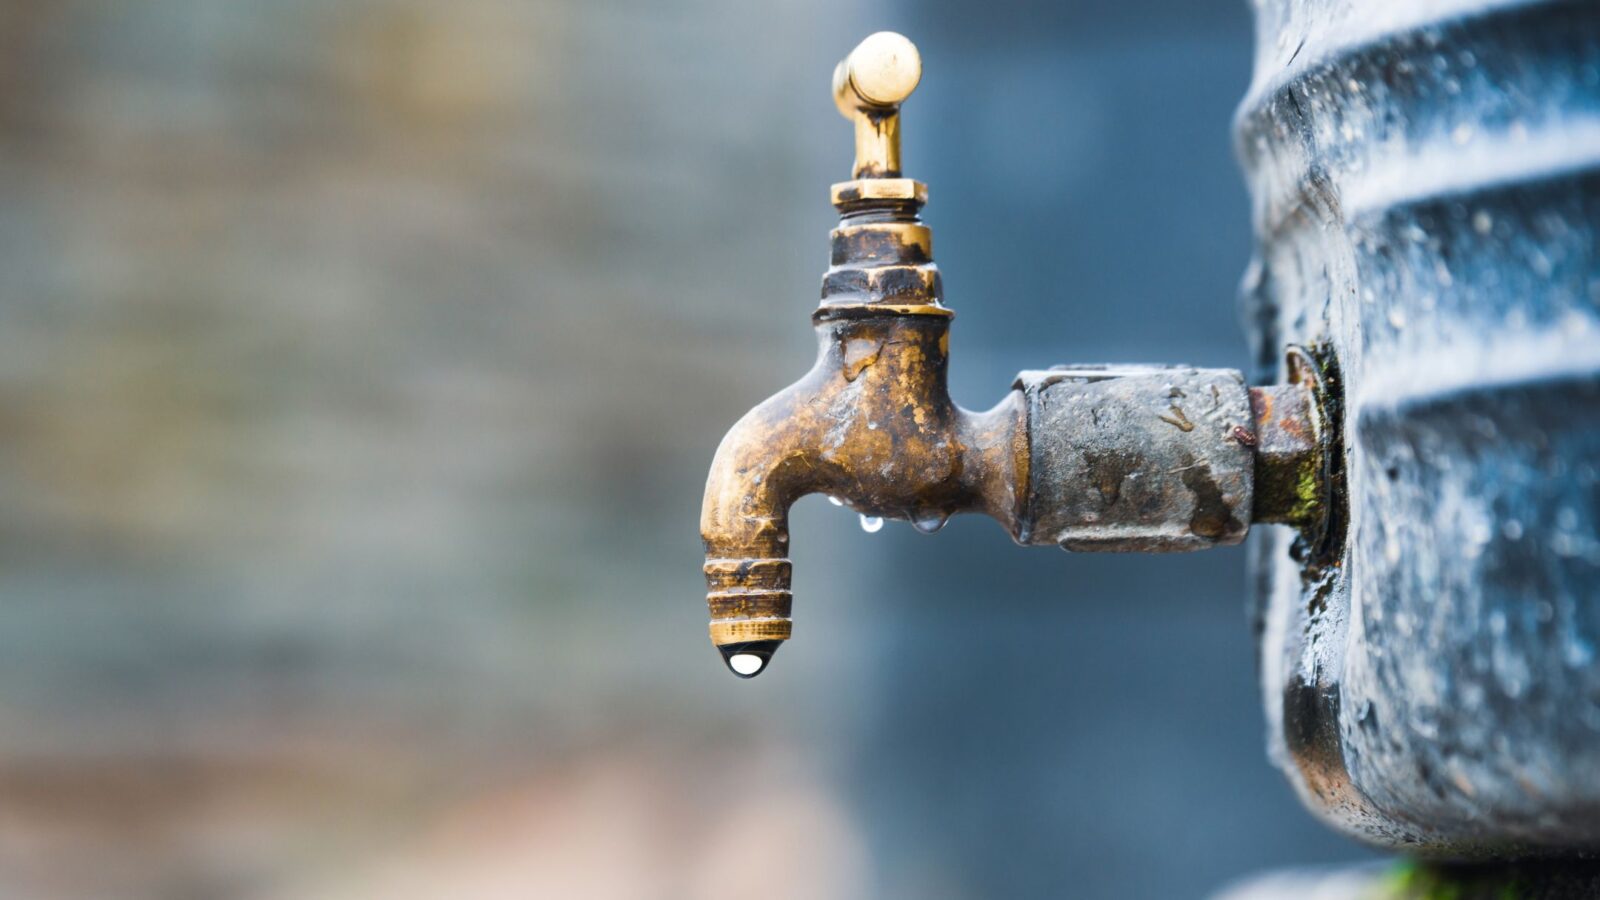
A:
x: 749, y: 601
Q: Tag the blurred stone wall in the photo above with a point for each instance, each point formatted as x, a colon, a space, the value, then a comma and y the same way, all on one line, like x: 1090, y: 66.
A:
x: 359, y: 367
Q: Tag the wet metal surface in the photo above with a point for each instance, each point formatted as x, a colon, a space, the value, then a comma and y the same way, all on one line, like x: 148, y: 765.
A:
x: 1426, y: 179
x: 1139, y: 458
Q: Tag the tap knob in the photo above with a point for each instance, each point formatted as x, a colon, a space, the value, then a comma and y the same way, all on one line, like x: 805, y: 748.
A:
x: 868, y: 86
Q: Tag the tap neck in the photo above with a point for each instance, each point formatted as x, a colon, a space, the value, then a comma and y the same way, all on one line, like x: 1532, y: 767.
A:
x: 881, y: 260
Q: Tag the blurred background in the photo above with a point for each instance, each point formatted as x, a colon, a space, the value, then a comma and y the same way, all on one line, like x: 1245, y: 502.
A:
x: 360, y: 366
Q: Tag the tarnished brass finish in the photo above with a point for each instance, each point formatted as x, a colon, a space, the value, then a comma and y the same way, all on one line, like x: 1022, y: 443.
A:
x: 868, y: 86
x: 1088, y: 458
x: 847, y: 192
x: 872, y: 423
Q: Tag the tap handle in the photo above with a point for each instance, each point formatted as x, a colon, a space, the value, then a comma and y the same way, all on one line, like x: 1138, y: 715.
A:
x: 868, y: 86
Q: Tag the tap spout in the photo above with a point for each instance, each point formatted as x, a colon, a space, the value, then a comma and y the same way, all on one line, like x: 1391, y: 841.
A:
x: 872, y: 425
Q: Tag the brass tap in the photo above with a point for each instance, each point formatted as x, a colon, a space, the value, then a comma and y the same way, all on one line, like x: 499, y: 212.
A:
x: 1090, y: 458
x: 868, y: 86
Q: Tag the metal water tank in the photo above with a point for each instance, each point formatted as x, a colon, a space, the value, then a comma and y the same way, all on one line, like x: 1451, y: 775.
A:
x: 1426, y: 185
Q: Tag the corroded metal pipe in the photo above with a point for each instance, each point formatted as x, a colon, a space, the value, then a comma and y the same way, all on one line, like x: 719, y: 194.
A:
x: 1120, y: 458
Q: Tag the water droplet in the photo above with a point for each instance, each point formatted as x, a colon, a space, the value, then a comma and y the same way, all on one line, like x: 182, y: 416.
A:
x: 835, y: 500
x: 929, y: 520
x: 748, y: 659
x: 871, y: 524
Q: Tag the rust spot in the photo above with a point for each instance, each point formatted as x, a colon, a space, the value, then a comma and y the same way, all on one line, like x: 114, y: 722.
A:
x: 1213, y: 519
x: 1178, y: 420
x: 1294, y: 427
x: 1107, y: 471
x: 1261, y: 403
